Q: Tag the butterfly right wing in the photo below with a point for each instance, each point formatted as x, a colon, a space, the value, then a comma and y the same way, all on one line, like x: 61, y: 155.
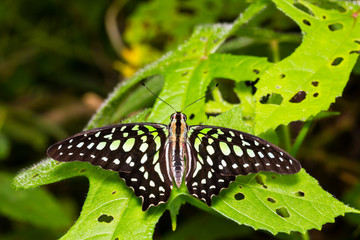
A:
x: 134, y: 150
x: 217, y: 155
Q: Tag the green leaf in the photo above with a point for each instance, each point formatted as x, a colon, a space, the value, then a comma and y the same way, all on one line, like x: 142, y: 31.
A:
x: 226, y: 120
x: 319, y: 68
x: 110, y: 210
x: 279, y: 203
x: 37, y: 206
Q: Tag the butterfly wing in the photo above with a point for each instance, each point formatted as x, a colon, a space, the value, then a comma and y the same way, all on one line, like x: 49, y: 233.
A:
x: 216, y: 155
x: 134, y: 150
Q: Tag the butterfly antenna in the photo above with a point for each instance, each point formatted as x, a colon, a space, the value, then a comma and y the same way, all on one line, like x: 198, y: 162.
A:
x: 158, y: 97
x: 201, y: 97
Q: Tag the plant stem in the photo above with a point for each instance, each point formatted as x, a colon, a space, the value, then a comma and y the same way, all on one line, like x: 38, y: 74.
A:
x: 286, y: 137
x: 305, y: 236
x: 300, y: 138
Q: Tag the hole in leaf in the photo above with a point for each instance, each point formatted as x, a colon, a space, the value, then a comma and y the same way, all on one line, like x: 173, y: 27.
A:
x: 191, y: 116
x: 324, y: 17
x: 306, y: 22
x: 335, y: 26
x: 83, y: 170
x: 298, y: 97
x: 333, y: 5
x: 184, y: 74
x: 113, y: 192
x: 105, y: 218
x: 205, y: 72
x: 282, y: 75
x: 116, y: 238
x: 239, y: 196
x: 271, y: 200
x: 303, y: 8
x: 252, y: 85
x: 337, y: 61
x: 315, y: 83
x: 282, y: 212
x: 35, y: 175
x: 355, y: 51
x: 316, y: 94
x: 256, y: 71
x: 273, y: 98
x: 240, y: 186
x: 265, y: 99
x: 357, y: 41
x: 226, y: 88
x: 300, y: 194
x: 261, y: 179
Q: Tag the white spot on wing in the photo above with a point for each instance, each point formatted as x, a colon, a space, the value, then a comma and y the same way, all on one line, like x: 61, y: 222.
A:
x: 209, y: 161
x: 128, y: 160
x: 210, y: 149
x: 250, y: 153
x: 143, y: 159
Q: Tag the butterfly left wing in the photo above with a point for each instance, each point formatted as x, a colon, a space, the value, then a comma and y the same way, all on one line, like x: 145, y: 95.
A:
x: 135, y: 150
x: 216, y: 155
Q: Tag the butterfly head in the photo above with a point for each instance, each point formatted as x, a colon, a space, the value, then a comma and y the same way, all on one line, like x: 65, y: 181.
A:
x: 178, y: 116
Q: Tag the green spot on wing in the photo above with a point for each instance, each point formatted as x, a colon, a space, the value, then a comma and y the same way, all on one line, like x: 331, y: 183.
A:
x: 150, y: 128
x: 128, y: 145
x: 238, y: 151
x: 157, y: 142
x: 205, y: 130
x: 101, y: 146
x: 225, y: 148
x: 197, y: 144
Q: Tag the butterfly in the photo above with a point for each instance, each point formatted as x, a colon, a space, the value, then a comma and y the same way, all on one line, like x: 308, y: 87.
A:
x: 151, y: 157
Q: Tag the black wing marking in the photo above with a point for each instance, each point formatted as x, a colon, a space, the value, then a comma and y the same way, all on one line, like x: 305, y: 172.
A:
x: 134, y: 150
x: 219, y: 154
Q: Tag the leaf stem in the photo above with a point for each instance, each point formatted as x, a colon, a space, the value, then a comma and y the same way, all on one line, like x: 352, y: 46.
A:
x: 300, y: 138
x: 305, y: 236
x: 274, y: 45
x: 286, y: 137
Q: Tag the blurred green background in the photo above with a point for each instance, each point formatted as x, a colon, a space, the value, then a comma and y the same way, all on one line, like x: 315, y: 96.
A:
x: 60, y: 59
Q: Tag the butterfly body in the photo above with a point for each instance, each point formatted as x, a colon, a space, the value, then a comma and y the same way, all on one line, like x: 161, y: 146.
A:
x: 151, y: 157
x: 176, y: 147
